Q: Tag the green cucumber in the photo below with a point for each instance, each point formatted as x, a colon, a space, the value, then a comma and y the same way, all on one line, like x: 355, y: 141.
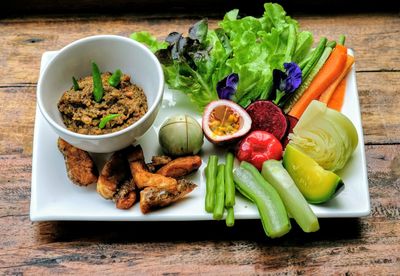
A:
x: 272, y: 211
x: 274, y: 172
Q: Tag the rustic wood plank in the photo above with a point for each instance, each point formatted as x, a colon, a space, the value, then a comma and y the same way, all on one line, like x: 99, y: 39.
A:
x: 368, y: 245
x: 17, y: 105
x: 379, y: 101
x: 364, y: 245
x: 24, y: 40
x: 342, y: 245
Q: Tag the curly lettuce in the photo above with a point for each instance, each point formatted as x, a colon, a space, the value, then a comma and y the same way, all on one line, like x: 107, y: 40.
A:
x: 250, y: 47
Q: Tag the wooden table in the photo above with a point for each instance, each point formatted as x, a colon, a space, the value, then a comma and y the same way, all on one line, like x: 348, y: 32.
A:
x: 346, y: 246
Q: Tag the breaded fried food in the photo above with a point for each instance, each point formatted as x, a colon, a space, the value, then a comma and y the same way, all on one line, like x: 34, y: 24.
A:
x: 143, y: 178
x: 180, y: 166
x: 157, y: 162
x: 80, y: 166
x: 126, y: 195
x: 154, y: 197
x: 114, y: 173
x: 157, y: 190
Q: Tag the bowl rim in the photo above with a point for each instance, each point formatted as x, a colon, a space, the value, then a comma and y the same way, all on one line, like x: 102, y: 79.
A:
x: 73, y: 44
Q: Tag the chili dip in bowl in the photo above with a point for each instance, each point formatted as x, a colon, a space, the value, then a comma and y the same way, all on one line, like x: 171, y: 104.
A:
x: 101, y: 93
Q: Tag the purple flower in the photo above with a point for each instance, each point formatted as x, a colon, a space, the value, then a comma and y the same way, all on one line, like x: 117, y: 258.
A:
x: 289, y: 80
x: 227, y: 87
x: 286, y: 82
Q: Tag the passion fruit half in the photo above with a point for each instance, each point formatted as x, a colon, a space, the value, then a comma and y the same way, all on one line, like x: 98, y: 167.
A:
x: 225, y: 122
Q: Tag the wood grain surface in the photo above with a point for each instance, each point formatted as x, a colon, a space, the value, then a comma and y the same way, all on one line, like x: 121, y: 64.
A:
x: 369, y: 245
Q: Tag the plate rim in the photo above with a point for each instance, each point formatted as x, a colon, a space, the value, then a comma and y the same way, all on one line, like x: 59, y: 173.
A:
x: 37, y: 214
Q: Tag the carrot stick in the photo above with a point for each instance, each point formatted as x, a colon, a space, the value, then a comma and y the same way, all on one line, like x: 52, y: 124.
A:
x: 331, y: 70
x: 327, y: 94
x: 337, y: 99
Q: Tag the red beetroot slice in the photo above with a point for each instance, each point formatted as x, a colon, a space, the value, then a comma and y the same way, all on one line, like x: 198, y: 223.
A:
x: 268, y: 117
x: 292, y: 121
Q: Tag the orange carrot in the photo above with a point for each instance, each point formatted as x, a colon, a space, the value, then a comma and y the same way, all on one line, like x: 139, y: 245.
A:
x: 337, y: 99
x: 331, y: 70
x: 327, y: 94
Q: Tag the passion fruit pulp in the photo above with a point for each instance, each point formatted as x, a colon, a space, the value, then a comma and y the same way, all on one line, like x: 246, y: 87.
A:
x: 225, y: 122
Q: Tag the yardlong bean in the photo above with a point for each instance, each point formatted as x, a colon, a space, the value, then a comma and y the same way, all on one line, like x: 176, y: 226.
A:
x: 211, y: 178
x: 229, y: 185
x: 219, y: 193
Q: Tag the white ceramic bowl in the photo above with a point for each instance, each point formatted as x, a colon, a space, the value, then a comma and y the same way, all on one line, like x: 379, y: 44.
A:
x: 110, y: 52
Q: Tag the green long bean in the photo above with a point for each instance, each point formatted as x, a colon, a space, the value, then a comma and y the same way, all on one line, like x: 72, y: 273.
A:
x: 230, y: 217
x: 219, y: 193
x: 229, y: 185
x: 211, y: 178
x: 315, y: 57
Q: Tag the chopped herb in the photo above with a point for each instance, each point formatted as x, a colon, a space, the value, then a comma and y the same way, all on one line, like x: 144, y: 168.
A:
x: 107, y: 118
x: 115, y: 78
x: 97, y: 83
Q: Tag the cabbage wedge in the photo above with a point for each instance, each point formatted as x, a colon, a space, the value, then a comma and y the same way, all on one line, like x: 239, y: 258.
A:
x: 326, y: 135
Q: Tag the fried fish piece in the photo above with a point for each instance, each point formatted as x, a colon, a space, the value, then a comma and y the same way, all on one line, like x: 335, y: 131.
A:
x: 126, y: 195
x: 80, y: 166
x: 157, y: 190
x: 114, y: 173
x: 158, y: 161
x: 142, y: 177
x: 180, y: 166
x: 154, y: 197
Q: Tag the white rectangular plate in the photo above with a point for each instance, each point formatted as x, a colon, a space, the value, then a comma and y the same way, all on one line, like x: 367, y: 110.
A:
x: 54, y: 197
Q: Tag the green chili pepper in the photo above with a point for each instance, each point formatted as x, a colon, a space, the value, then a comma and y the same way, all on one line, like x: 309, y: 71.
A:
x: 98, y: 89
x: 230, y: 217
x: 76, y: 85
x: 211, y: 175
x: 229, y: 185
x: 219, y: 193
x: 115, y: 78
x: 106, y: 119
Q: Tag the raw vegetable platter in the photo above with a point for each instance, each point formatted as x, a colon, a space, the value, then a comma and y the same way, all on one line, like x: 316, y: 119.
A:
x: 55, y: 198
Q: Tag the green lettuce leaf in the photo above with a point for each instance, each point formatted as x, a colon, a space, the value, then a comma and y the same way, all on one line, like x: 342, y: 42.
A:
x: 149, y: 40
x: 251, y: 47
x: 259, y: 46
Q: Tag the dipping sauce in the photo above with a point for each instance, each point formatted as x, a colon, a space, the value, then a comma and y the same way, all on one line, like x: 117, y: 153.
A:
x: 82, y: 114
